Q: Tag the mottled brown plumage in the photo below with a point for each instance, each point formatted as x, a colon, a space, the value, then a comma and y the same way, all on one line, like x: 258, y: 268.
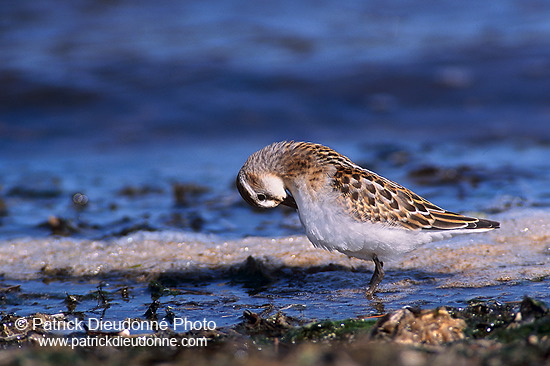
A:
x: 366, y: 195
x: 370, y: 197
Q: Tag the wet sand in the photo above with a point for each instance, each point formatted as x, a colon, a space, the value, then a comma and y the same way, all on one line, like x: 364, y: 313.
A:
x: 503, y: 265
x: 520, y: 248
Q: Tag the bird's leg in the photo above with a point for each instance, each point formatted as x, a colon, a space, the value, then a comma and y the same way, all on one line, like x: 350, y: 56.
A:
x: 377, y: 276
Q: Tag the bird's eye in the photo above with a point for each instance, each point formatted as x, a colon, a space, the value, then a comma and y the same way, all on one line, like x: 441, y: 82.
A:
x: 261, y: 197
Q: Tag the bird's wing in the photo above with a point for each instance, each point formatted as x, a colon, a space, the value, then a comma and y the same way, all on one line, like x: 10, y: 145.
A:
x: 367, y: 196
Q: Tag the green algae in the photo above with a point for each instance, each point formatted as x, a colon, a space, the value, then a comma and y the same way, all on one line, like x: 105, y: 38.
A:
x: 328, y: 330
x: 506, y: 322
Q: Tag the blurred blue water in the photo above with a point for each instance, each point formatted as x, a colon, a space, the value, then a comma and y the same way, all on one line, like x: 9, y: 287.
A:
x: 97, y: 97
x: 124, y: 100
x: 85, y: 74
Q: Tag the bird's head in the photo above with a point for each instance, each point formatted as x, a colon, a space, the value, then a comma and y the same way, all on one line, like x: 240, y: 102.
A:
x: 263, y: 189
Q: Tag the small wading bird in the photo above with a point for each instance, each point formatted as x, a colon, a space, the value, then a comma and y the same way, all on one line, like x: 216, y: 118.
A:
x: 345, y: 207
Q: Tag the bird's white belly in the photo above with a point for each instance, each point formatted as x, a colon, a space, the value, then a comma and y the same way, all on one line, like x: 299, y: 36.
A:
x: 331, y: 228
